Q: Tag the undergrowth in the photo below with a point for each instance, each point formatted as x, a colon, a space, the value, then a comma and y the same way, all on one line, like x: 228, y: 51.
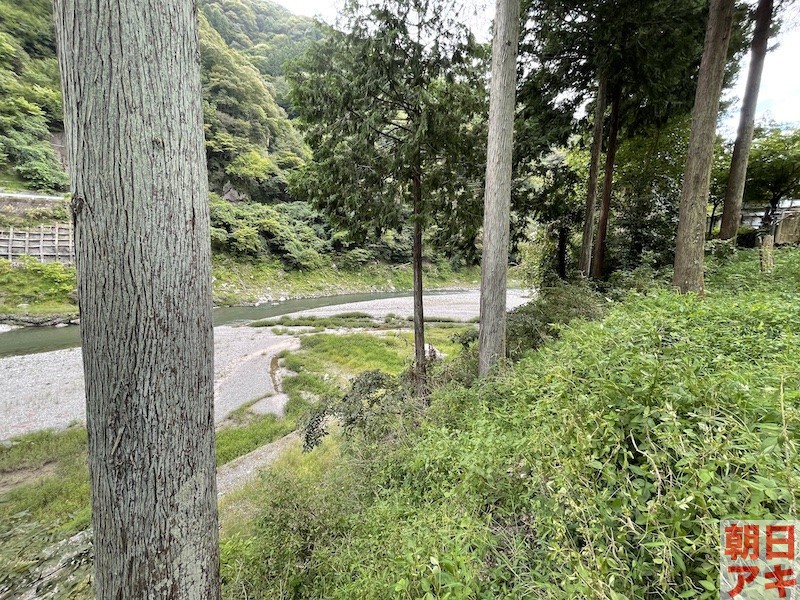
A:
x: 598, y: 466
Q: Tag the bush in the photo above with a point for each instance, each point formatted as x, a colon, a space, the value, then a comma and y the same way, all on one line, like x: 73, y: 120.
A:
x: 293, y: 232
x: 531, y: 325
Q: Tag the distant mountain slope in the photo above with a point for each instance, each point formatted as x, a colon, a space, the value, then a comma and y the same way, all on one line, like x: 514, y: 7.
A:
x: 30, y: 97
x: 244, y: 43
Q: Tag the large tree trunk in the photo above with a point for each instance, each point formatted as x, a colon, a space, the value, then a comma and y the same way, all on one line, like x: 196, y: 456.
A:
x: 497, y: 200
x: 732, y: 209
x: 594, y: 169
x: 419, y: 318
x: 690, y: 242
x: 608, y: 187
x: 132, y: 109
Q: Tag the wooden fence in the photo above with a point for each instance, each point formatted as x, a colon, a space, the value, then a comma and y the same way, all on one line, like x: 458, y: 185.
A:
x: 46, y: 243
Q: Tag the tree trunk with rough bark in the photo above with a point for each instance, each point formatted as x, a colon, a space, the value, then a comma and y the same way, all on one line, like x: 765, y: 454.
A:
x: 420, y: 382
x: 594, y: 168
x: 732, y: 209
x: 497, y: 199
x: 608, y: 187
x: 690, y: 243
x: 132, y: 108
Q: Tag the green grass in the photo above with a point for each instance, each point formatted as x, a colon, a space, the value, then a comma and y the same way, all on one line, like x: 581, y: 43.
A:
x: 44, y: 288
x: 10, y: 181
x: 598, y: 466
x: 248, y: 431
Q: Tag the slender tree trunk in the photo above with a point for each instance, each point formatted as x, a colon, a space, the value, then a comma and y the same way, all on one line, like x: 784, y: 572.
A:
x: 711, y: 221
x: 690, y: 241
x: 562, y: 252
x: 594, y: 168
x: 419, y: 318
x: 608, y: 186
x: 132, y: 109
x: 497, y: 199
x: 732, y: 209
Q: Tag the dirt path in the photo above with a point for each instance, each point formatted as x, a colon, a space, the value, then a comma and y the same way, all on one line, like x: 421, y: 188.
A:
x: 246, y: 468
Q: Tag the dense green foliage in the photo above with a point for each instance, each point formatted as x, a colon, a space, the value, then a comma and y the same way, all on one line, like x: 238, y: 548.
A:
x: 773, y: 172
x: 598, y: 467
x: 293, y: 232
x: 250, y: 140
x: 30, y: 94
x: 266, y: 33
x: 394, y: 122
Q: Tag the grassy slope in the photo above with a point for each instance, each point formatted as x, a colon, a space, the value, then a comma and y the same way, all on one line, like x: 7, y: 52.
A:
x: 598, y: 467
x: 237, y: 282
x: 49, y: 289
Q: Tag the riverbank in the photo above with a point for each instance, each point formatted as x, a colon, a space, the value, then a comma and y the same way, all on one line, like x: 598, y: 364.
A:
x: 36, y: 294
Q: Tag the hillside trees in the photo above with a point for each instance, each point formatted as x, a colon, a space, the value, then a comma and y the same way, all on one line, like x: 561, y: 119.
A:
x: 140, y: 204
x: 645, y: 53
x: 267, y: 34
x: 250, y: 141
x: 30, y: 98
x: 252, y: 144
x: 389, y: 106
x: 690, y: 242
x: 732, y: 207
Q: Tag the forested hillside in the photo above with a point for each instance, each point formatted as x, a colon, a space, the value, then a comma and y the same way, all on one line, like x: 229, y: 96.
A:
x: 30, y: 97
x: 250, y: 140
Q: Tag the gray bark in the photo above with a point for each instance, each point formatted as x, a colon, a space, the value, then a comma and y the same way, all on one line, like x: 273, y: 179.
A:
x: 690, y: 243
x: 132, y: 109
x: 732, y: 209
x: 591, y: 189
x: 497, y: 200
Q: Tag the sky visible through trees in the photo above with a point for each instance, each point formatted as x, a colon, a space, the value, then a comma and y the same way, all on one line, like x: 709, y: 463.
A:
x: 779, y: 90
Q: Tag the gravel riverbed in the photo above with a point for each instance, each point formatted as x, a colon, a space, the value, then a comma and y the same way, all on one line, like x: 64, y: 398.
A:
x: 46, y: 390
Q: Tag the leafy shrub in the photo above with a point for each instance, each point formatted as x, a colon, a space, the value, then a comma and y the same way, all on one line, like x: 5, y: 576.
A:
x: 721, y: 249
x: 354, y: 259
x: 532, y: 324
x: 374, y: 408
x: 288, y: 231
